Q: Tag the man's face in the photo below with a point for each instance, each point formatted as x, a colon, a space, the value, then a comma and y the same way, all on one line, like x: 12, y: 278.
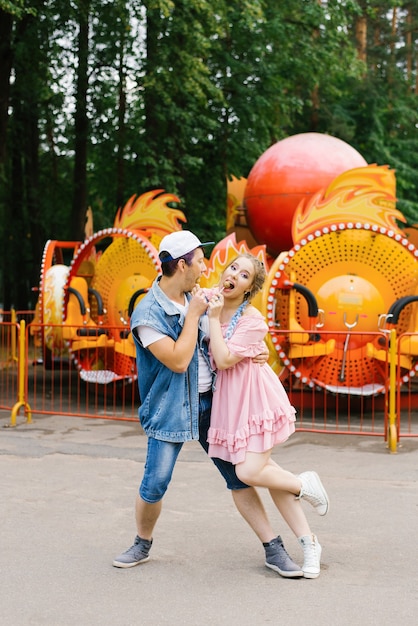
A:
x: 195, y: 270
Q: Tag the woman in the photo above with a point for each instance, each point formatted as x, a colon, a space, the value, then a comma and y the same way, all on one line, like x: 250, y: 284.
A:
x: 251, y: 412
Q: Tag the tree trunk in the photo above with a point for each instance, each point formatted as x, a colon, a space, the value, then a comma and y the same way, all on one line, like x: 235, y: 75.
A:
x: 150, y: 105
x: 6, y: 22
x: 416, y: 78
x: 314, y: 118
x: 121, y: 132
x: 361, y: 37
x: 81, y: 126
x: 408, y: 42
x: 25, y: 240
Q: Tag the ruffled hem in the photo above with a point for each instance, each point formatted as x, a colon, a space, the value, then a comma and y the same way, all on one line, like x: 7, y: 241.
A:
x: 270, y: 427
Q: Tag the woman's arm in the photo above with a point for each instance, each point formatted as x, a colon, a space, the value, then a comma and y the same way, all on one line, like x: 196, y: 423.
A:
x: 221, y: 355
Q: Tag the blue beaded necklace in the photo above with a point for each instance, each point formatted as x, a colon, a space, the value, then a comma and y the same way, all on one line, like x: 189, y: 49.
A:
x: 234, y: 320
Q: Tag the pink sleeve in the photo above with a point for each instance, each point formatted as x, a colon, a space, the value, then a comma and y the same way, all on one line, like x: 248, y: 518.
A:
x: 247, y: 339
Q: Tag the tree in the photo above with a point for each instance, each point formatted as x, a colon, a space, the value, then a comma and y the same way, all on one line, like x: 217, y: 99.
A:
x: 6, y: 60
x: 24, y: 239
x: 377, y: 113
x: 81, y: 122
x: 100, y: 100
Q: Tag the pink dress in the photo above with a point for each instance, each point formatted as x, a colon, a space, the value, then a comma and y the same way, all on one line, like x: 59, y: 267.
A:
x: 251, y: 410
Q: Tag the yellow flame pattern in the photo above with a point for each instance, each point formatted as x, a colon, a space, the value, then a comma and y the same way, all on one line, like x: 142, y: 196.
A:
x: 150, y: 210
x: 361, y: 195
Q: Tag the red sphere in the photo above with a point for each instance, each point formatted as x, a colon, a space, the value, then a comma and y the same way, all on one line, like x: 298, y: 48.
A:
x: 292, y: 170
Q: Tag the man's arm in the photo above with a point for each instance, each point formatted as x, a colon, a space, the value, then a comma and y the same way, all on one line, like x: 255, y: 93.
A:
x: 263, y: 357
x: 176, y: 355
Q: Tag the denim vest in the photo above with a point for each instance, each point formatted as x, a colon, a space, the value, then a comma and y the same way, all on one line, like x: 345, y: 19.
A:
x: 169, y: 401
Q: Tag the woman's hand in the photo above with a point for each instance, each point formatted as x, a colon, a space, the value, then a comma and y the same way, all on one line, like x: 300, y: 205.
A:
x: 215, y: 307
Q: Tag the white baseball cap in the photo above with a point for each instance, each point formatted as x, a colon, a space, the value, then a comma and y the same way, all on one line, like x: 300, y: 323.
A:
x: 179, y: 243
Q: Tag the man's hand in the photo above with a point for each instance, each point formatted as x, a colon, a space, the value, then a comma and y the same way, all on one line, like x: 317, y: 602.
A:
x: 199, y: 302
x: 263, y: 357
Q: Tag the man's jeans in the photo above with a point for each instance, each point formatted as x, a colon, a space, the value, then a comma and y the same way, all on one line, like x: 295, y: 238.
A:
x: 162, y: 457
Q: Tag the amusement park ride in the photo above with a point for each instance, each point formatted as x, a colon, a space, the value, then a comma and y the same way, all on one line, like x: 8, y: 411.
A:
x: 341, y: 271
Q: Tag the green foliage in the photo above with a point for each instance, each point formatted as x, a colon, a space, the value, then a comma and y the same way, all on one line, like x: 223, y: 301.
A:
x: 184, y: 93
x: 18, y: 8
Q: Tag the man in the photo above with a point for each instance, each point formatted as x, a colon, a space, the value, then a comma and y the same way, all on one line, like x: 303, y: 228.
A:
x: 175, y: 385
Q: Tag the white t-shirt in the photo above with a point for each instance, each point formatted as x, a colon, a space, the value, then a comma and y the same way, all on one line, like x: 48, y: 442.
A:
x: 149, y: 335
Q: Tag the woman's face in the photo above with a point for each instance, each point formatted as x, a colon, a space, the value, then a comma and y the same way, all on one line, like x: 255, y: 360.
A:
x: 238, y: 277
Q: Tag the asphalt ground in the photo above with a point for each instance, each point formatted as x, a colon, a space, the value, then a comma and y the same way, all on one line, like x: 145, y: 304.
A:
x: 67, y: 492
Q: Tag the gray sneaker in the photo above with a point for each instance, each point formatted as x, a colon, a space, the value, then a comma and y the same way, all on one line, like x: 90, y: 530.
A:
x: 313, y: 492
x: 138, y: 553
x: 278, y: 559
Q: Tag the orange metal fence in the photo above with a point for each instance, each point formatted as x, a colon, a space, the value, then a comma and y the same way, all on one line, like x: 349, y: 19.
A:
x: 51, y: 378
x: 35, y: 379
x: 9, y: 333
x: 326, y: 405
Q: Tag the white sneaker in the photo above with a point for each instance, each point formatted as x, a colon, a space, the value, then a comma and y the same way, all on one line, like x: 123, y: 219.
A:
x: 313, y: 492
x: 311, y: 556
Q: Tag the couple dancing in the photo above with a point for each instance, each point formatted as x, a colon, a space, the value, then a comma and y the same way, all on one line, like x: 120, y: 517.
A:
x: 202, y: 374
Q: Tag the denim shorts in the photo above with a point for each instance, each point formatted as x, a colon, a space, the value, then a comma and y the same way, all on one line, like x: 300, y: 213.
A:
x: 162, y: 457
